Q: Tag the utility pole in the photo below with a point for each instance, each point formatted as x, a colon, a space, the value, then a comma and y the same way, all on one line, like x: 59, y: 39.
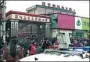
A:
x: 3, y: 19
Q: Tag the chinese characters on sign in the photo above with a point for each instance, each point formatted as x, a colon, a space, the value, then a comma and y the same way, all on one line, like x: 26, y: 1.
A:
x: 30, y: 18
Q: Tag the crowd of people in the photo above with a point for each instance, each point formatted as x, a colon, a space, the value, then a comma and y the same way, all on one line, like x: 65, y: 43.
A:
x: 75, y: 42
x: 18, y: 48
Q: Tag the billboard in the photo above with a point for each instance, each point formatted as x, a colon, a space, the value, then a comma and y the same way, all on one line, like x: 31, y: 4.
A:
x: 66, y: 21
x: 85, y: 23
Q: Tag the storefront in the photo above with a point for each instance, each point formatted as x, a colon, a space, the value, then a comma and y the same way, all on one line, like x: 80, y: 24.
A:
x: 63, y: 31
x: 78, y: 33
x: 27, y: 25
x: 85, y: 26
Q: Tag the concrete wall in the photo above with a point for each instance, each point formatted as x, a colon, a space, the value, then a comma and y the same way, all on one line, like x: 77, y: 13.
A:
x: 48, y: 30
x: 31, y: 12
x: 40, y: 11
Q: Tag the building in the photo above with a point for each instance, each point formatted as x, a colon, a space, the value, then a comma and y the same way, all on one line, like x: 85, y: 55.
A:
x: 26, y: 25
x: 81, y: 27
x: 57, y: 18
x: 47, y: 21
x: 63, y: 26
x: 49, y: 9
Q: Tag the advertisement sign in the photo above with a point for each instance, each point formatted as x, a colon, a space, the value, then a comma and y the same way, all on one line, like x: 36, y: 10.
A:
x: 78, y: 23
x: 53, y: 21
x: 85, y: 23
x: 27, y: 17
x: 66, y: 21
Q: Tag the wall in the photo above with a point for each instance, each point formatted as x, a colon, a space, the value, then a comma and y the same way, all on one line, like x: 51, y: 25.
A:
x: 48, y: 30
x: 48, y: 11
x: 31, y: 12
x: 66, y: 21
x: 40, y: 10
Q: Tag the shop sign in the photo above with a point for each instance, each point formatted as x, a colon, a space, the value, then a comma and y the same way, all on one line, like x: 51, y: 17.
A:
x: 85, y: 23
x: 29, y: 18
x: 78, y: 23
x: 66, y: 21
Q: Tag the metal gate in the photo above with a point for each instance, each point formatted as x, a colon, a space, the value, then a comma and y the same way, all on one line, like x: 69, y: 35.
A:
x: 31, y: 30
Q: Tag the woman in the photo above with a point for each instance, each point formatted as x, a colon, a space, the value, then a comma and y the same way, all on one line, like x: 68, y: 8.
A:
x: 32, y: 48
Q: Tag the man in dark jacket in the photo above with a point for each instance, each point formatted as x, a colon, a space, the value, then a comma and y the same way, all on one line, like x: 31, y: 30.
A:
x: 13, y: 47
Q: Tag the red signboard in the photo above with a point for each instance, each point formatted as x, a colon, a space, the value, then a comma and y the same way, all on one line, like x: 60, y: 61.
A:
x: 66, y: 21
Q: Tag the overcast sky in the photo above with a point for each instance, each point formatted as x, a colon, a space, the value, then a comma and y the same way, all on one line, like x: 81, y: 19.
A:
x: 81, y: 7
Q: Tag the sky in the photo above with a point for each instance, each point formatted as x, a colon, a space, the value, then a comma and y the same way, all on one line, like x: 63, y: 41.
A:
x: 81, y: 7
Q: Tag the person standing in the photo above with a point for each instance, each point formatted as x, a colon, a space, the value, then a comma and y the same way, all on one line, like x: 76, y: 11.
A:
x: 76, y: 44
x: 32, y: 48
x: 13, y: 48
x: 26, y: 46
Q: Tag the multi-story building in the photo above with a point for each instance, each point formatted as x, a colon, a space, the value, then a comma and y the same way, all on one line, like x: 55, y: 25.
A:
x: 48, y: 21
x: 26, y: 25
x: 48, y: 9
x: 58, y: 18
x: 63, y: 22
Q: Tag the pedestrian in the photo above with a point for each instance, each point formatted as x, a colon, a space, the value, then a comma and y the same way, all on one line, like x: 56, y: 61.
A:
x: 56, y: 42
x: 45, y: 45
x: 26, y: 46
x: 32, y: 48
x: 53, y: 40
x: 13, y: 48
x: 76, y: 44
x: 20, y: 52
x: 72, y: 39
